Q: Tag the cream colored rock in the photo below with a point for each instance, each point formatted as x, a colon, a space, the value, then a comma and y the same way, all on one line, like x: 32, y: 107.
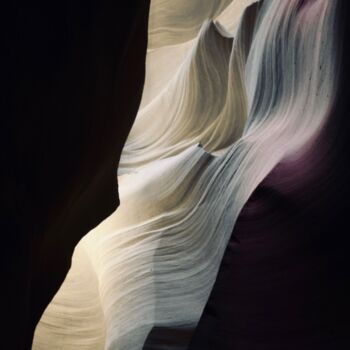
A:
x: 153, y: 262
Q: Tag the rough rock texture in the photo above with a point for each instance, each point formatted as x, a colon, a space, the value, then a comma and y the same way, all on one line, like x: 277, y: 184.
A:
x: 73, y: 75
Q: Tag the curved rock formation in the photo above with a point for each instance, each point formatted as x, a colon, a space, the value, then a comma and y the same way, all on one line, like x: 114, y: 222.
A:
x: 172, y: 24
x: 284, y: 278
x: 239, y: 137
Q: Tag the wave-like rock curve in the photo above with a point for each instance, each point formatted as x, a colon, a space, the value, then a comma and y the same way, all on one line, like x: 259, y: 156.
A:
x: 197, y: 152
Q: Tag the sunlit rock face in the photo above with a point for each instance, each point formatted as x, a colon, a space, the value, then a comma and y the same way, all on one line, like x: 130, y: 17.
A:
x: 235, y: 134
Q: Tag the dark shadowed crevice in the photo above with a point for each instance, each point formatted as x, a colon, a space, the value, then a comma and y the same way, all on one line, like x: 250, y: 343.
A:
x: 73, y: 76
